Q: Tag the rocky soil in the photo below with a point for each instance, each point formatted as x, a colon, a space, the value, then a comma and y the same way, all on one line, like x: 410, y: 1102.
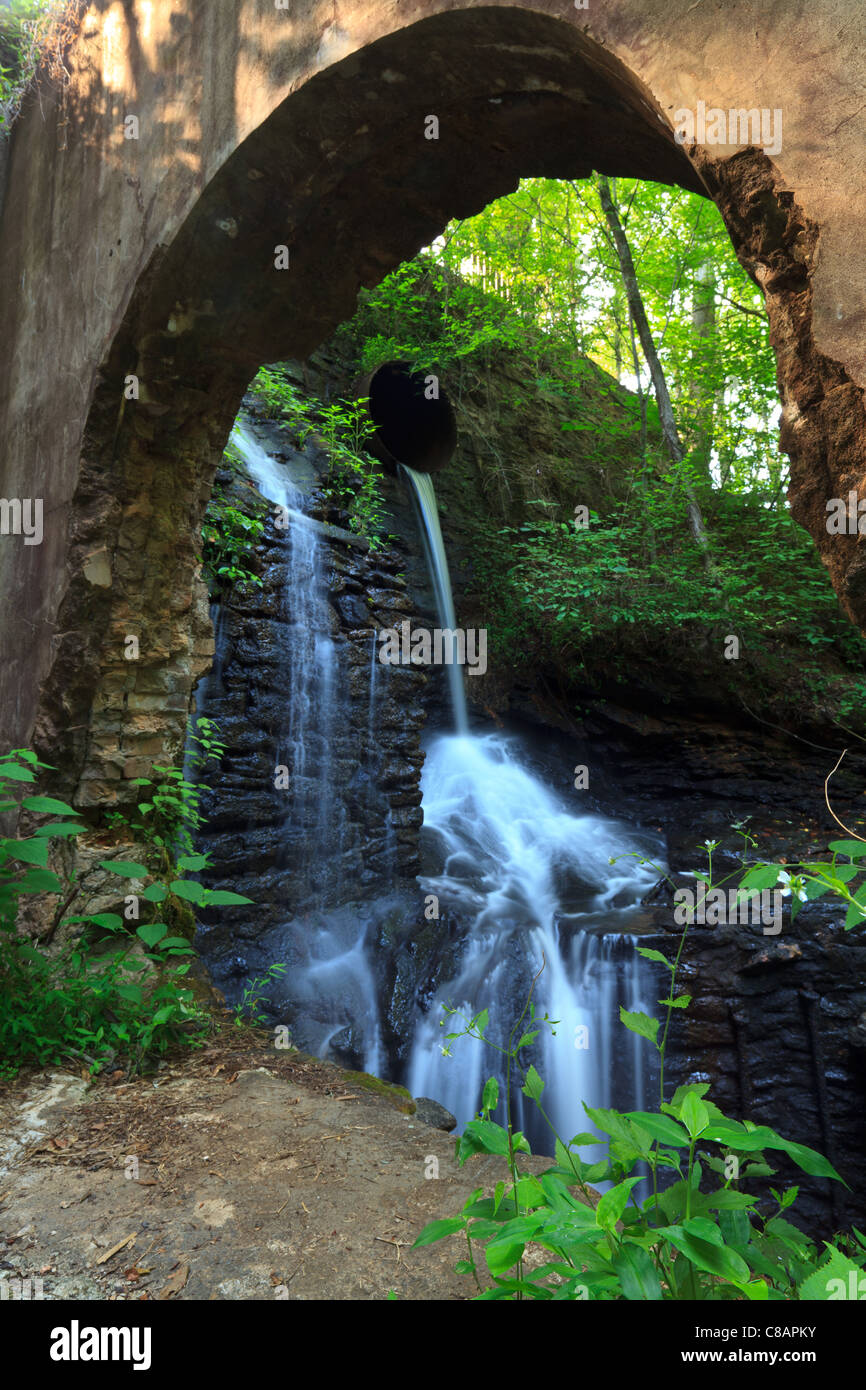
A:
x: 161, y: 1187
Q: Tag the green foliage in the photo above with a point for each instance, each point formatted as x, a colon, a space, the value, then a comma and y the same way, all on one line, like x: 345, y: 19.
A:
x: 118, y: 991
x: 22, y: 33
x: 342, y: 427
x: 427, y: 315
x: 529, y: 285
x: 696, y: 1235
x: 248, y: 1009
x: 590, y: 598
x: 228, y: 536
x: 169, y: 815
x: 842, y: 876
x: 545, y: 251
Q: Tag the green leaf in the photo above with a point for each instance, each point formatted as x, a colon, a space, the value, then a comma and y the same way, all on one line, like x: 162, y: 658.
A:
x: 53, y: 806
x: 130, y: 992
x: 654, y: 955
x: 661, y: 1127
x: 124, y: 867
x: 756, y: 1290
x: 856, y: 910
x: 728, y: 1199
x: 611, y: 1122
x: 39, y: 881
x: 612, y: 1205
x: 855, y: 849
x: 155, y: 893
x: 811, y: 1162
x: 707, y: 1255
x: 833, y: 1280
x: 490, y: 1097
x: 482, y: 1136
x: 219, y: 898
x: 763, y: 876
x: 534, y: 1086
x: 189, y: 890
x: 694, y: 1115
x: 151, y: 933
x: 437, y: 1230
x: 60, y: 829
x: 13, y: 773
x: 506, y: 1248
x: 639, y: 1023
x: 636, y: 1273
x: 192, y: 863
x: 109, y: 920
x: 29, y: 851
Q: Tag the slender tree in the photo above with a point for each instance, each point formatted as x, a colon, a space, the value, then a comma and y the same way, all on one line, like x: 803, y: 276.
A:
x: 651, y: 357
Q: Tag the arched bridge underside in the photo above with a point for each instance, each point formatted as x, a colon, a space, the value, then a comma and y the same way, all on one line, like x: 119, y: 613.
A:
x: 145, y: 202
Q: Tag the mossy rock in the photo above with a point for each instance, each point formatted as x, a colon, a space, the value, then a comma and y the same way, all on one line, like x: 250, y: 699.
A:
x: 397, y: 1096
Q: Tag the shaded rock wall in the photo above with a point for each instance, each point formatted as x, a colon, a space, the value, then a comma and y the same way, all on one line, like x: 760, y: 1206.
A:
x: 344, y: 826
x: 776, y: 1022
x: 154, y: 257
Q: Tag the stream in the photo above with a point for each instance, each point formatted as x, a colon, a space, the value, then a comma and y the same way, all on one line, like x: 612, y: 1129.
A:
x: 534, y: 885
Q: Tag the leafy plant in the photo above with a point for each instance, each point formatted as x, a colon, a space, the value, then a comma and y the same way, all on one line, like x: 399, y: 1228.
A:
x: 248, y: 1009
x: 119, y: 988
x: 23, y: 25
x: 688, y: 1237
x: 354, y: 482
x: 228, y: 536
x: 170, y: 816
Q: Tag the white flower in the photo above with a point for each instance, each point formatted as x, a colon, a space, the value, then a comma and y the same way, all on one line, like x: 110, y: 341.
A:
x: 792, y: 885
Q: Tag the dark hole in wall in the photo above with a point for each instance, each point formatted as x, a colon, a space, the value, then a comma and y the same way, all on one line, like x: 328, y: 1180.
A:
x: 413, y: 425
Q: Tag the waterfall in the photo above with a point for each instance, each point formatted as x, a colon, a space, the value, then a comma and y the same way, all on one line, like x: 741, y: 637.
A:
x: 305, y: 740
x: 529, y: 879
x: 520, y: 872
x: 424, y: 498
x: 329, y: 991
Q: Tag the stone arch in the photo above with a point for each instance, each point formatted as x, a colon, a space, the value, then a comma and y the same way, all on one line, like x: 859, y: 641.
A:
x: 340, y: 173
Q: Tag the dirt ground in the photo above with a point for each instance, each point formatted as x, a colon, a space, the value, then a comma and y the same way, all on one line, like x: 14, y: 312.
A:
x: 238, y: 1172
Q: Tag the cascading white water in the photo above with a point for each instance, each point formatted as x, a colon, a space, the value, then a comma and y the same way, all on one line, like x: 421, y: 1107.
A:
x: 530, y: 880
x: 523, y: 871
x: 424, y: 498
x: 329, y: 985
x: 305, y: 740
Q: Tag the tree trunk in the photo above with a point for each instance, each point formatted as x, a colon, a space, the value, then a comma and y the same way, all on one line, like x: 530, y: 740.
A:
x: 662, y: 395
x: 703, y: 394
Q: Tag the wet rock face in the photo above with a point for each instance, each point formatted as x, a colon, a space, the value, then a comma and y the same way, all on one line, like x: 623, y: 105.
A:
x: 774, y: 1028
x: 317, y: 799
x: 776, y: 1020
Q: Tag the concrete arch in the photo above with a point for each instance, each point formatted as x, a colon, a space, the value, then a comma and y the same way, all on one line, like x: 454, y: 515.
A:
x: 305, y: 128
